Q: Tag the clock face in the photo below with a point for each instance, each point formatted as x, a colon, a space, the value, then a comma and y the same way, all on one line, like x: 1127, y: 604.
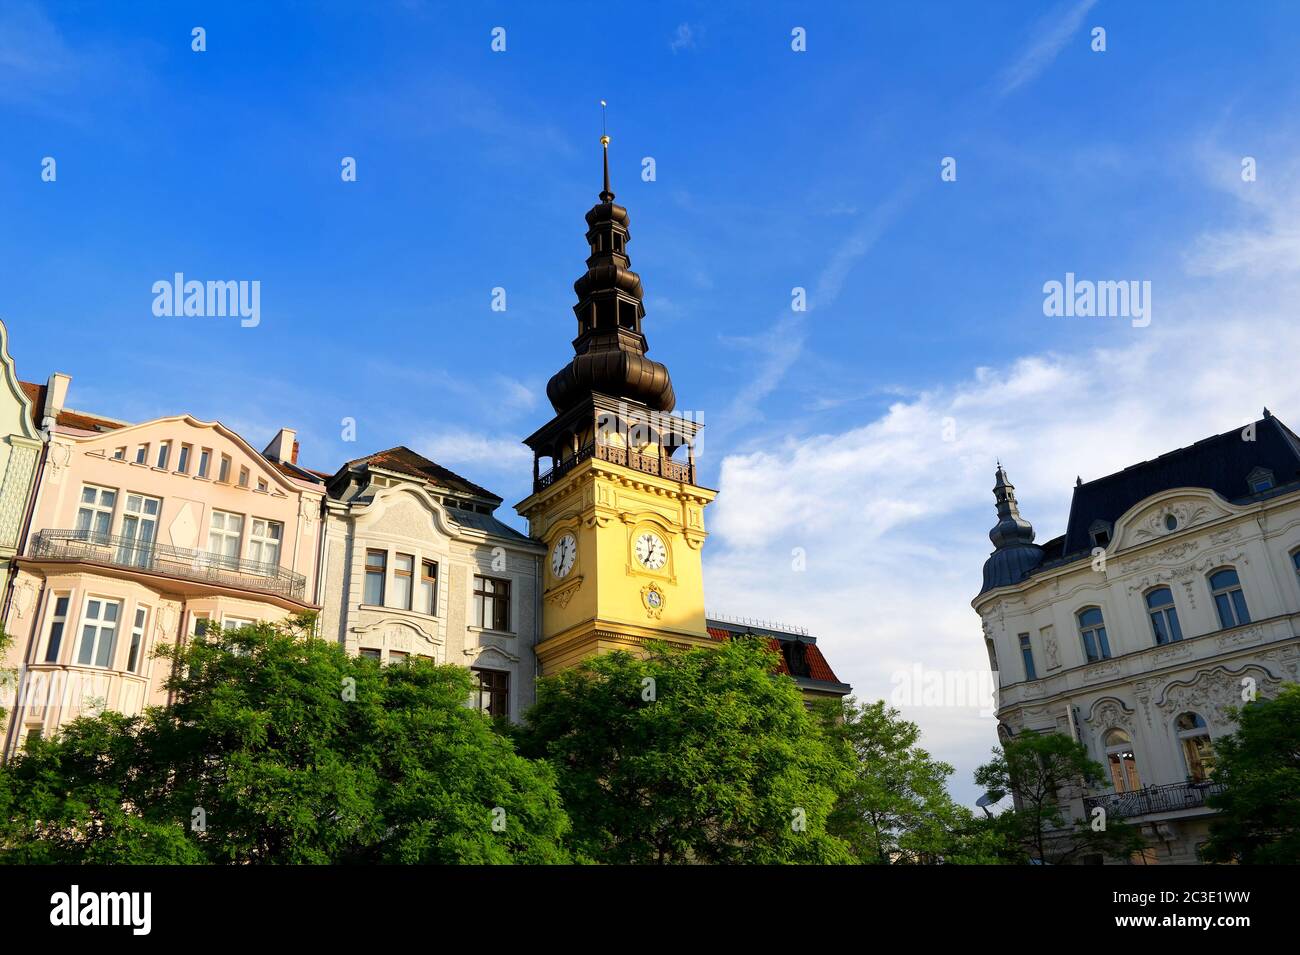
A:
x: 651, y: 551
x: 563, y: 554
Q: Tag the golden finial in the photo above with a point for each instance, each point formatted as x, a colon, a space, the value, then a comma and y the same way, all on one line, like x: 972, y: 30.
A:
x: 604, y: 138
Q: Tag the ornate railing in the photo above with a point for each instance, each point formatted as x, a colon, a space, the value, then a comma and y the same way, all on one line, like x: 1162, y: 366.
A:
x: 1153, y: 799
x: 645, y: 463
x: 155, y: 558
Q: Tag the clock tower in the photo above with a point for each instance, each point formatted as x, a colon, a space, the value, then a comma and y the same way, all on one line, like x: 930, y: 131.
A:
x: 615, y: 498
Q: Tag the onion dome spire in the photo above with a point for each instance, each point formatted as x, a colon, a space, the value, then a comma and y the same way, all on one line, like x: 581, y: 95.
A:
x: 609, y: 352
x: 1015, y: 554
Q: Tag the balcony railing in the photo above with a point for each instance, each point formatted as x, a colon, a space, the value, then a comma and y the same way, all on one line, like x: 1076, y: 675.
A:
x: 645, y: 463
x: 152, y: 557
x: 1153, y: 799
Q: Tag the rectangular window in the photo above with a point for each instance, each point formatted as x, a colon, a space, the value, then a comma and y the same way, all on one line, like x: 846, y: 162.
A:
x: 398, y: 656
x: 139, y: 530
x: 371, y: 654
x: 57, y: 622
x: 223, y: 474
x: 429, y: 588
x: 183, y: 460
x: 243, y: 477
x: 403, y: 572
x: 119, y: 454
x: 98, y: 632
x: 198, y: 624
x: 492, y: 691
x: 236, y: 623
x: 1027, y: 654
x: 264, y: 544
x: 136, y: 656
x: 142, y: 454
x: 205, y: 461
x: 376, y: 571
x: 224, y: 533
x: 164, y: 452
x: 95, y: 515
x: 262, y: 486
x: 492, y: 603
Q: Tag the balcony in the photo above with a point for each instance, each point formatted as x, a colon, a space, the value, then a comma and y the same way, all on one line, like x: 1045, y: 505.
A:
x: 645, y: 463
x: 178, y: 562
x: 1150, y: 800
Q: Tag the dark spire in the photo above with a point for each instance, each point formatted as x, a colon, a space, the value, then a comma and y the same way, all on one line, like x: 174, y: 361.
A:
x: 609, y: 352
x: 1011, y: 529
x: 1015, y: 554
x: 606, y: 194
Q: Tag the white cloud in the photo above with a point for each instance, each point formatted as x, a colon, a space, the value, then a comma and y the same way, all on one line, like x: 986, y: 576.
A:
x: 893, y: 518
x: 461, y: 448
x: 683, y: 38
x: 1052, y: 35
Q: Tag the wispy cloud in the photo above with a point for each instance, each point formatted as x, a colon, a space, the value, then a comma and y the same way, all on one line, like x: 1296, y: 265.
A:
x: 1050, y: 37
x: 683, y: 38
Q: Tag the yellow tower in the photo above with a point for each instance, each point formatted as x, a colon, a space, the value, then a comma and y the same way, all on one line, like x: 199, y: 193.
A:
x: 618, y: 507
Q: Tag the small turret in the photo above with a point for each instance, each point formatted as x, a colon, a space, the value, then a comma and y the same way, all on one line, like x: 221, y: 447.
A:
x: 1015, y: 554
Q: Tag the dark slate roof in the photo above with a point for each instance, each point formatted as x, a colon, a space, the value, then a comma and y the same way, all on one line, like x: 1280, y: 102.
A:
x: 489, y: 525
x: 405, y: 461
x: 1220, y: 463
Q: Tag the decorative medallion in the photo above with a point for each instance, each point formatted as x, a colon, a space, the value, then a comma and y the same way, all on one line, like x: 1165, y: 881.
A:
x: 653, y: 598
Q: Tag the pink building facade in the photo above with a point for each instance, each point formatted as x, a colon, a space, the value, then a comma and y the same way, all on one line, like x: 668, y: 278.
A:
x: 144, y: 534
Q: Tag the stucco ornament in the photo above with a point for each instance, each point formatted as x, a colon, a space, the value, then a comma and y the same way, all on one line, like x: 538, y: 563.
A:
x: 1211, y: 693
x: 653, y: 599
x: 1110, y: 713
x: 23, y: 594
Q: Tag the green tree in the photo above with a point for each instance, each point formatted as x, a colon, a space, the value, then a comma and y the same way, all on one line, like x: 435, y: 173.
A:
x: 1035, y: 767
x: 699, y: 755
x: 281, y: 748
x: 1259, y: 767
x: 894, y: 807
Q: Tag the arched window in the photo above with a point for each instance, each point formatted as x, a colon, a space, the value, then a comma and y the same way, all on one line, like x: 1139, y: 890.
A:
x: 1092, y: 629
x: 1164, y: 616
x: 1228, y: 598
x: 1194, y: 739
x: 1122, y: 762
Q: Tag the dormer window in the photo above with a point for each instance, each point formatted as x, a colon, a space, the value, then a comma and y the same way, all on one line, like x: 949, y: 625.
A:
x: 1099, y: 531
x: 1260, y: 480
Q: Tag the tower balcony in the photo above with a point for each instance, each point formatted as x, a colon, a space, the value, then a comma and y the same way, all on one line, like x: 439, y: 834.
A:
x: 645, y: 463
x: 180, y: 563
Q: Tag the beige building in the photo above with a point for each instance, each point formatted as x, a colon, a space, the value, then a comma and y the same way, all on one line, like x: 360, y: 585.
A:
x: 143, y: 534
x: 1172, y: 596
x: 416, y: 564
x: 20, y: 453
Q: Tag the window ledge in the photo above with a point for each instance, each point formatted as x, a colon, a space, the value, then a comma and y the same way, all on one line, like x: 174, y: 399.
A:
x: 492, y: 633
x: 402, y: 611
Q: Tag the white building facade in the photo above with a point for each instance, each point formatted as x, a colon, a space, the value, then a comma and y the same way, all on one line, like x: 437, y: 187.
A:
x: 415, y: 564
x: 1173, y: 596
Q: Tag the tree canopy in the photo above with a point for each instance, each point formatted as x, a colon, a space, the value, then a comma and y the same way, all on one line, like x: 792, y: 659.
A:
x: 688, y: 756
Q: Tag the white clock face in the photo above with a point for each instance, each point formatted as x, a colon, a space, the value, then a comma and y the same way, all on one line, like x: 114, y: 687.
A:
x: 563, y: 554
x: 651, y: 551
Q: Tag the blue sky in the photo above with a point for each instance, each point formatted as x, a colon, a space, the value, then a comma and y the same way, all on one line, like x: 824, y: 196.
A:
x: 775, y: 169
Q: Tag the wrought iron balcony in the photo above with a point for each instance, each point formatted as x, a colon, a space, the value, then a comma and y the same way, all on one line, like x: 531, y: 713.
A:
x: 645, y: 463
x: 180, y: 562
x: 1172, y: 797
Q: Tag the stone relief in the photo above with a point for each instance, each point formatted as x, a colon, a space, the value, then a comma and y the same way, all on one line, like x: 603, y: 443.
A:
x: 1211, y: 693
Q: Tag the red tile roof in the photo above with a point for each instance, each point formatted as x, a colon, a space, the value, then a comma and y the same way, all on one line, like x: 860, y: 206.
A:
x: 817, y: 665
x: 68, y: 419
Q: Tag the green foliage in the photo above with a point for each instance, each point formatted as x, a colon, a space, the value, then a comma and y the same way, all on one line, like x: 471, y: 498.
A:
x: 688, y: 756
x: 894, y: 807
x: 1037, y: 768
x: 1259, y: 766
x: 280, y: 748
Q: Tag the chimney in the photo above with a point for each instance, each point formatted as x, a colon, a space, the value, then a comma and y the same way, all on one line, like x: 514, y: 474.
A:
x: 283, y: 447
x: 56, y: 396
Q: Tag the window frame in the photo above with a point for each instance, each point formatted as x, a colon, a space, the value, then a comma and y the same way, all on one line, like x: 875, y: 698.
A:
x: 1027, y: 656
x: 429, y: 581
x: 1166, y: 613
x: 139, y: 636
x: 1094, y: 631
x: 1128, y: 774
x: 97, y: 509
x: 1186, y: 746
x: 54, y: 641
x: 1234, y: 594
x: 407, y: 576
x: 491, y: 691
x: 99, y: 623
x: 260, y: 542
x: 375, y: 572
x: 500, y: 599
x: 219, y: 556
